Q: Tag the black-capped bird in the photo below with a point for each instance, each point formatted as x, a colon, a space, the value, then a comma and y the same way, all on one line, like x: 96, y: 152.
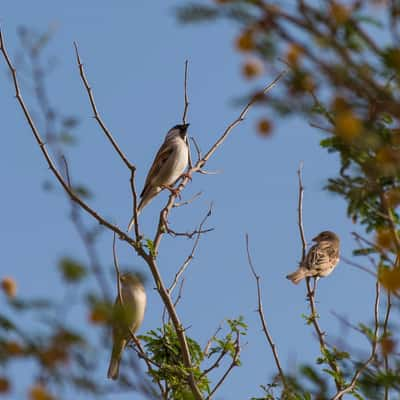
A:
x: 168, y: 165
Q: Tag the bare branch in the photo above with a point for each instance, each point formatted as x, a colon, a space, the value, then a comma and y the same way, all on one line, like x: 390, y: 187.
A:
x: 363, y: 366
x: 185, y: 110
x: 356, y: 265
x: 96, y: 113
x: 197, y: 148
x: 260, y: 311
x: 186, y: 99
x: 49, y: 160
x: 300, y: 213
x: 238, y: 120
x: 189, y: 258
x: 233, y: 364
x: 201, y: 162
x: 186, y: 202
x: 312, y: 291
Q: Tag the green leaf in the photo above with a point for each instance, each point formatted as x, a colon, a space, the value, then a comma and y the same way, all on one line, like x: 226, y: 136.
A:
x: 71, y: 270
x: 150, y: 246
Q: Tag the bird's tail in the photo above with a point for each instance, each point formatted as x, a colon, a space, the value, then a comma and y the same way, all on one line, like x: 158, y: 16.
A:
x: 297, y: 275
x: 132, y: 221
x: 147, y: 196
x: 113, y: 369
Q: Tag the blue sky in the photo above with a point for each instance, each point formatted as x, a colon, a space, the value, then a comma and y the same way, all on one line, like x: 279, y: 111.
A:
x: 134, y: 55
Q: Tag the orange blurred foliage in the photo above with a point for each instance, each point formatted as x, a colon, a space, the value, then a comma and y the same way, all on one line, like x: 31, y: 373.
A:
x: 264, y: 127
x: 339, y: 12
x: 293, y: 54
x: 245, y: 42
x: 4, y: 385
x: 38, y: 392
x: 393, y: 197
x: 388, y: 346
x: 13, y: 348
x: 98, y: 316
x: 252, y: 68
x: 9, y: 286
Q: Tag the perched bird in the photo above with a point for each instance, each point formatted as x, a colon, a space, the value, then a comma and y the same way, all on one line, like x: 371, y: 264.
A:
x: 168, y: 165
x: 127, y: 318
x: 320, y: 260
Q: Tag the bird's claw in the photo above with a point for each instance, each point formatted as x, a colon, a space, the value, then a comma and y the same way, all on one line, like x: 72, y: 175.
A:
x: 174, y: 191
x: 187, y: 175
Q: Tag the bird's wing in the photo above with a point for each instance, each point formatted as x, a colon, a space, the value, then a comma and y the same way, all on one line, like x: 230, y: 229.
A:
x: 159, y: 160
x: 317, y: 258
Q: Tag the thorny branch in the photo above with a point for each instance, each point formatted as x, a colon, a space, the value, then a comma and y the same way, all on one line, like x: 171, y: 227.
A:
x: 260, y: 311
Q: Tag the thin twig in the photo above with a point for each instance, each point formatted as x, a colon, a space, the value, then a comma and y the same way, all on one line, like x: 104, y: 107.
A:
x: 233, y: 364
x: 186, y: 202
x: 238, y: 120
x: 363, y: 366
x: 385, y: 336
x: 196, y: 145
x: 300, y: 214
x: 185, y: 110
x: 180, y: 291
x: 260, y: 311
x: 358, y: 266
x: 209, y: 342
x: 190, y: 257
x: 97, y: 117
x: 49, y: 160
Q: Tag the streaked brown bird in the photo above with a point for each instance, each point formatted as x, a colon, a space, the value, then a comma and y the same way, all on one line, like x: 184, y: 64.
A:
x: 127, y: 318
x: 320, y: 260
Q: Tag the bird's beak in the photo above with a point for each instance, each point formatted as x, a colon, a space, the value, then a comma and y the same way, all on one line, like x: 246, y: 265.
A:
x: 186, y: 126
x: 314, y: 239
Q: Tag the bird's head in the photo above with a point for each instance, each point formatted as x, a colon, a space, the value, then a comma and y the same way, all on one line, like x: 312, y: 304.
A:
x: 177, y: 130
x: 129, y: 279
x: 326, y: 236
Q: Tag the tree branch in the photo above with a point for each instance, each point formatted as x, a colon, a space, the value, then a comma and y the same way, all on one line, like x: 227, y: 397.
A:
x: 260, y: 311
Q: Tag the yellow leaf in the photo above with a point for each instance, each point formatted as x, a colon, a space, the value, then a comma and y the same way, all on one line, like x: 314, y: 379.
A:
x: 384, y: 238
x: 389, y: 278
x: 347, y: 125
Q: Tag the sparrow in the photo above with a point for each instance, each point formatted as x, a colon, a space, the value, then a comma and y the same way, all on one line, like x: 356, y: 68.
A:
x: 320, y: 260
x: 168, y: 165
x: 127, y: 318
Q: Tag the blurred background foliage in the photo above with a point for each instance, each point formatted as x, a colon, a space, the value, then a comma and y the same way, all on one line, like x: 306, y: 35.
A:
x: 343, y: 62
